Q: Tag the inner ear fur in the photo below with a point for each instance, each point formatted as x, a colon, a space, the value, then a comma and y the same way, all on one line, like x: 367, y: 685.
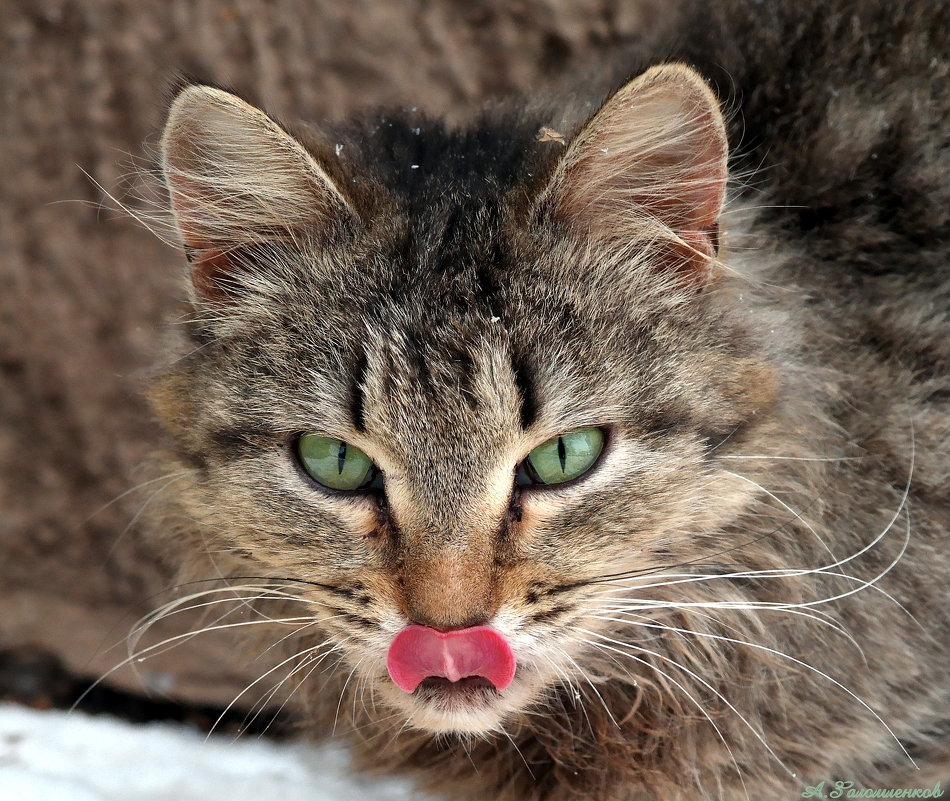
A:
x: 655, y: 154
x: 237, y: 179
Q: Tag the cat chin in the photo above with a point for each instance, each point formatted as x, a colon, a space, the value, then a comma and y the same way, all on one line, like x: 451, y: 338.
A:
x: 469, y: 713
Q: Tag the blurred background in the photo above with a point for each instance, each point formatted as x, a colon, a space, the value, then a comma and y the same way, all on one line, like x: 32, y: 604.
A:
x: 84, y: 291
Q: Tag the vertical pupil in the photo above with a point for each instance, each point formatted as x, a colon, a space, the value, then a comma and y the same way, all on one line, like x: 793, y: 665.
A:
x: 561, y: 453
x: 341, y: 457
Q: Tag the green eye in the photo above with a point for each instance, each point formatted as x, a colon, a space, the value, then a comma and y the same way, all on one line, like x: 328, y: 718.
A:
x: 565, y: 457
x: 334, y: 463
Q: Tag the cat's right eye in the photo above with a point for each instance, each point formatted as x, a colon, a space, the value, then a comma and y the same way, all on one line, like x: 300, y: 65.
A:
x: 336, y: 464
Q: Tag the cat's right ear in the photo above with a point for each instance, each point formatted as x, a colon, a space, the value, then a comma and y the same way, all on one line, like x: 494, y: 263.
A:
x: 236, y: 179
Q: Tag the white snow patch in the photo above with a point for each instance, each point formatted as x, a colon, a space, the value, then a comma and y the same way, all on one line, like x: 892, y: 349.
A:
x: 58, y: 756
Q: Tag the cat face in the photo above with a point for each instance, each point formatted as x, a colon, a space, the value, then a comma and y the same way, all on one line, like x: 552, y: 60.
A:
x: 447, y: 327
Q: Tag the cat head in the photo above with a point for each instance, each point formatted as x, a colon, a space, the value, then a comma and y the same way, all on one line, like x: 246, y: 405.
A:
x: 458, y: 380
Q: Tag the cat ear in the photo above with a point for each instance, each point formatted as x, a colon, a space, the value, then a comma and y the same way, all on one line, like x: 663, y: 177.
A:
x: 656, y: 152
x: 237, y: 179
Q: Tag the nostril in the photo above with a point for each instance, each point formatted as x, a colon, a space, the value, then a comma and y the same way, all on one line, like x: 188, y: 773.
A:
x: 445, y: 625
x: 449, y: 628
x: 418, y: 653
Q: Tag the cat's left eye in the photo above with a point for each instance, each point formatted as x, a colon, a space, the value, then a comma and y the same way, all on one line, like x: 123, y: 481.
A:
x: 562, y: 458
x: 336, y: 464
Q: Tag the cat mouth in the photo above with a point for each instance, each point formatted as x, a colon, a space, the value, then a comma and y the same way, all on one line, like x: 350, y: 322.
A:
x: 478, y: 657
x: 468, y: 692
x: 456, y: 681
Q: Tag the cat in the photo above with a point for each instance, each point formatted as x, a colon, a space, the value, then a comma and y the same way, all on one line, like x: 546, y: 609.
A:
x: 595, y: 449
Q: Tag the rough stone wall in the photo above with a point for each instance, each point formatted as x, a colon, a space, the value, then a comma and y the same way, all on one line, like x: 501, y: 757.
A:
x: 83, y: 292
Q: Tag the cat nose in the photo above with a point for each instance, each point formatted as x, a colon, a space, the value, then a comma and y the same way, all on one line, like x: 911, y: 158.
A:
x: 448, y: 594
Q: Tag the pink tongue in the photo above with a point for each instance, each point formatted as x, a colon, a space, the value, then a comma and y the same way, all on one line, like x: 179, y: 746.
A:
x: 419, y: 652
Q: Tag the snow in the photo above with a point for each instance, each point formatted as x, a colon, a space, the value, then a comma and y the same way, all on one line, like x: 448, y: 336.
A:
x: 60, y: 756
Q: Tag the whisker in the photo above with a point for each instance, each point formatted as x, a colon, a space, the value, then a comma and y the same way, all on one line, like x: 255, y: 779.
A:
x: 346, y: 683
x: 310, y: 657
x: 701, y: 680
x: 140, y: 655
x: 517, y: 750
x: 141, y: 510
x: 130, y: 490
x: 260, y: 678
x: 596, y: 691
x: 177, y: 606
x: 797, y: 516
x: 629, y: 605
x: 699, y: 706
x: 797, y: 458
x: 579, y: 699
x: 803, y: 664
x: 612, y: 578
x: 317, y: 661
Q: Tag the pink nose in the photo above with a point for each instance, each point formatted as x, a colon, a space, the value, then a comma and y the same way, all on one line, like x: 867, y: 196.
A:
x: 419, y: 652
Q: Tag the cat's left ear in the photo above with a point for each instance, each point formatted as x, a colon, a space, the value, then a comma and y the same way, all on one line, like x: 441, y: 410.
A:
x: 655, y: 154
x: 237, y: 179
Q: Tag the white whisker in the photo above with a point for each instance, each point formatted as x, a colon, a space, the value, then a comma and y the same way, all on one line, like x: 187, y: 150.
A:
x: 687, y: 693
x: 701, y: 680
